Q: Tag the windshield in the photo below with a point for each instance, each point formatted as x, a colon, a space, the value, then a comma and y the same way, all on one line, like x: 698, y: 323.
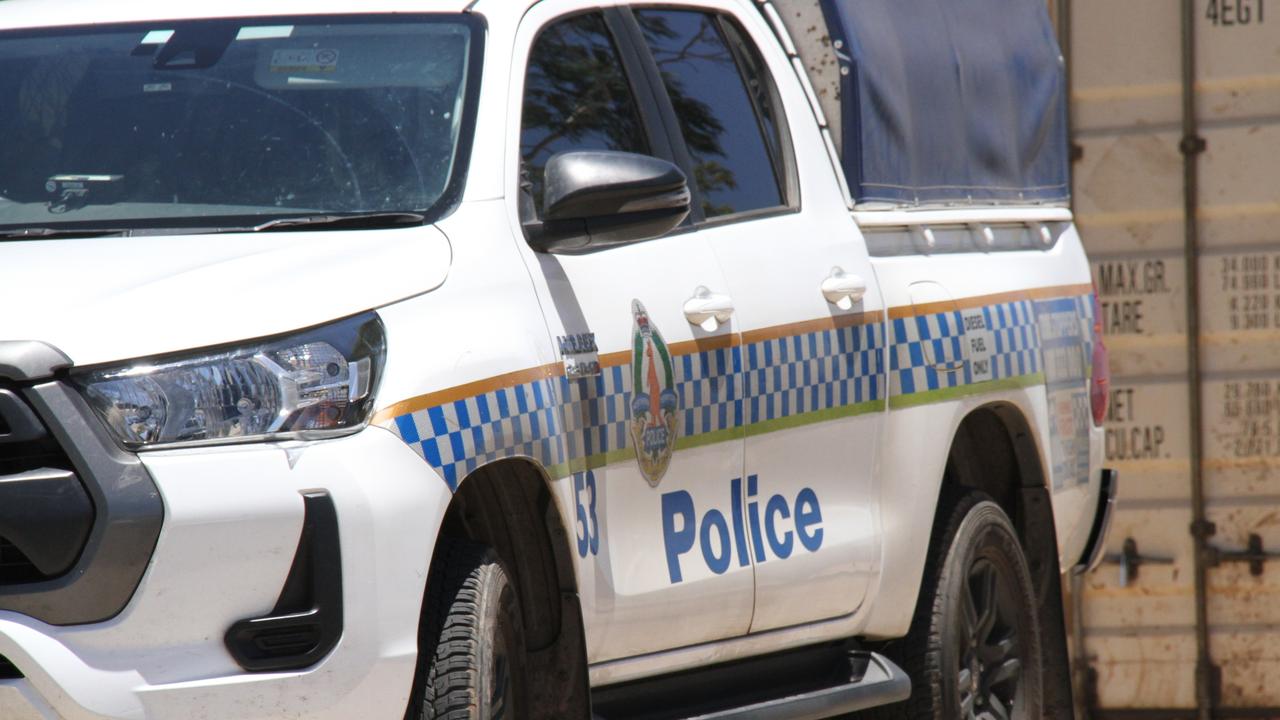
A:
x: 238, y: 122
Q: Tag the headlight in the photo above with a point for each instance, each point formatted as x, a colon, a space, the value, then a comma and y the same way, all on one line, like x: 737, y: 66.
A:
x: 317, y: 383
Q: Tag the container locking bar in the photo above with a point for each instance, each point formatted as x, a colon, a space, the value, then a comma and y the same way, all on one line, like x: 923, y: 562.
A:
x: 1130, y: 560
x: 1254, y: 554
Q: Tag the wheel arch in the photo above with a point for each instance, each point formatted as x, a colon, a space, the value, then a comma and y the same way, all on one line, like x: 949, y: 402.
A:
x: 510, y: 506
x: 995, y: 451
x: 998, y: 432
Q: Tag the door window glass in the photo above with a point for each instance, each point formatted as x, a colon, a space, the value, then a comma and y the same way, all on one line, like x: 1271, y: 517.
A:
x: 721, y: 126
x: 576, y: 98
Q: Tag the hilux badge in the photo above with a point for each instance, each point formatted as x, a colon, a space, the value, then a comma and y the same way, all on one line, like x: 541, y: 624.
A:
x: 654, y: 402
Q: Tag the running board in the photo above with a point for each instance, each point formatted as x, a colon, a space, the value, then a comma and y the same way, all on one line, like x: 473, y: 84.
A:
x: 806, y: 684
x: 882, y: 683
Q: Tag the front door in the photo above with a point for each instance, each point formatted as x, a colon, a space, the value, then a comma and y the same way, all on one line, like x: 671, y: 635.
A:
x: 652, y: 401
x: 807, y: 306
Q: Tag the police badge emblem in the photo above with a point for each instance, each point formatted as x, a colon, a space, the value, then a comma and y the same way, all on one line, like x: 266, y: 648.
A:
x: 654, y: 417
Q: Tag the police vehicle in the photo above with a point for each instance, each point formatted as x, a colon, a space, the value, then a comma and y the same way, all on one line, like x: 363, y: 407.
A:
x: 554, y: 358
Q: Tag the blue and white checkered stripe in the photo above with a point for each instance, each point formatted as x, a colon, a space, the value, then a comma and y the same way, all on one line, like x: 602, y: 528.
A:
x: 598, y: 409
x: 791, y: 376
x: 813, y: 372
x: 460, y: 436
x: 1017, y: 339
x: 709, y: 391
x: 922, y: 347
x: 557, y: 420
x: 596, y: 412
x: 525, y: 420
x: 927, y: 351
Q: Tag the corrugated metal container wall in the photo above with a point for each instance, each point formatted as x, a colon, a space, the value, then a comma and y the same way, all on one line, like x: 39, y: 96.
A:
x: 1133, y: 138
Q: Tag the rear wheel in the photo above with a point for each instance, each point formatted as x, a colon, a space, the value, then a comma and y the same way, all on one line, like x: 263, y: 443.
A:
x: 974, y: 651
x: 471, y: 643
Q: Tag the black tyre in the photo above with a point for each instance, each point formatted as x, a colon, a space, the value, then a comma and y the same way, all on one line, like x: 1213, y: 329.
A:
x: 973, y: 651
x: 471, y: 642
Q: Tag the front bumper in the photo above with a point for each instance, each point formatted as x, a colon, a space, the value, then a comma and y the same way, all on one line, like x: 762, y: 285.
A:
x: 233, y: 520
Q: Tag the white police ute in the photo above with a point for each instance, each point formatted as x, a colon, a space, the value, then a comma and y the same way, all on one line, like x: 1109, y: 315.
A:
x: 540, y: 359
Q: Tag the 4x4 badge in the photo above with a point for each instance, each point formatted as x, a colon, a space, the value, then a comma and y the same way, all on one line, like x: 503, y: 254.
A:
x: 654, y: 416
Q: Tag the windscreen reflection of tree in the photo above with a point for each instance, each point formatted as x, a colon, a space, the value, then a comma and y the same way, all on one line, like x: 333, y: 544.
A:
x: 702, y: 130
x: 34, y: 93
x: 576, y: 98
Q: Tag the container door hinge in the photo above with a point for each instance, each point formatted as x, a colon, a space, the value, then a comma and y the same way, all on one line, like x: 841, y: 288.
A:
x: 1193, y: 145
x: 1203, y: 529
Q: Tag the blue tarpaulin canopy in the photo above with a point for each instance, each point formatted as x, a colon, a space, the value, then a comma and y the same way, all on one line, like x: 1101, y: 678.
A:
x: 951, y: 101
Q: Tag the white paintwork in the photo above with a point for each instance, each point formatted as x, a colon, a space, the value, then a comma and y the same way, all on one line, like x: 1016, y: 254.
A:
x: 917, y: 477
x: 231, y: 528
x: 107, y: 299
x: 778, y: 268
x: 465, y: 302
x: 627, y: 594
x: 959, y: 216
x: 19, y: 702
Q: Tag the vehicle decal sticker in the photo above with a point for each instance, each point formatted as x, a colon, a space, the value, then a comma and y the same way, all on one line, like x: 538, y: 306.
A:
x: 1066, y: 343
x: 654, y: 404
x: 581, y: 357
x: 791, y: 376
x: 777, y: 522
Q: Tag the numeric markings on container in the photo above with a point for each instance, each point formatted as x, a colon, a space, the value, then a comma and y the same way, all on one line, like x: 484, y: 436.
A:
x: 1250, y: 284
x: 1234, y: 13
x: 1251, y: 419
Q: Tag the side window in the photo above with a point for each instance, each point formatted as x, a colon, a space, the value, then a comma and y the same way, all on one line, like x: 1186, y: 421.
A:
x: 576, y: 97
x: 724, y: 118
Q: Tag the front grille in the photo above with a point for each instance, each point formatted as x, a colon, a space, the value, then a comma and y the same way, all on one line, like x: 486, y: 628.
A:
x: 15, y: 567
x: 26, y: 446
x: 8, y: 671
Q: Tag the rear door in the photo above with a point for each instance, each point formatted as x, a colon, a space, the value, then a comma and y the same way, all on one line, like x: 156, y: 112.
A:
x: 806, y: 304
x: 651, y: 400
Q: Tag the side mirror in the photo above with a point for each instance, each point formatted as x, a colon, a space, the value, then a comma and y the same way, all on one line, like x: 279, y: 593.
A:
x: 596, y: 199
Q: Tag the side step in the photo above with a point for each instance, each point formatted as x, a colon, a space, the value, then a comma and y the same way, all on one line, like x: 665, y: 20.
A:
x: 806, y: 684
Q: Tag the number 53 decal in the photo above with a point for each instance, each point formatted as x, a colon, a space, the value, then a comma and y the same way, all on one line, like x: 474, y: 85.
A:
x: 588, y: 526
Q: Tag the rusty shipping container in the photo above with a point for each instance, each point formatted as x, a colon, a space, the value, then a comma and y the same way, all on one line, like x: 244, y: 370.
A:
x: 1176, y: 115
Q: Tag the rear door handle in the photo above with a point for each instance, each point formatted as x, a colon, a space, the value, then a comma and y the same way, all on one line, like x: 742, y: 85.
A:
x: 843, y: 289
x: 708, y: 310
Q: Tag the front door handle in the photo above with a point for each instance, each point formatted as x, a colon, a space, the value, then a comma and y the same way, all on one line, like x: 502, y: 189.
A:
x: 843, y: 289
x: 708, y: 310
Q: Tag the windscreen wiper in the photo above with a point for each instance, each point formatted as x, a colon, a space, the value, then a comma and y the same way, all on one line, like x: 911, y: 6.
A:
x: 364, y: 221
x: 44, y: 233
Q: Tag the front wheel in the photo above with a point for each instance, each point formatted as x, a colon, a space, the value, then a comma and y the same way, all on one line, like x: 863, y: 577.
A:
x: 974, y: 650
x: 471, y: 643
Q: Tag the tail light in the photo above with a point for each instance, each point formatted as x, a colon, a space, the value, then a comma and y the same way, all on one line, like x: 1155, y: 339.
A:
x: 1100, y: 380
